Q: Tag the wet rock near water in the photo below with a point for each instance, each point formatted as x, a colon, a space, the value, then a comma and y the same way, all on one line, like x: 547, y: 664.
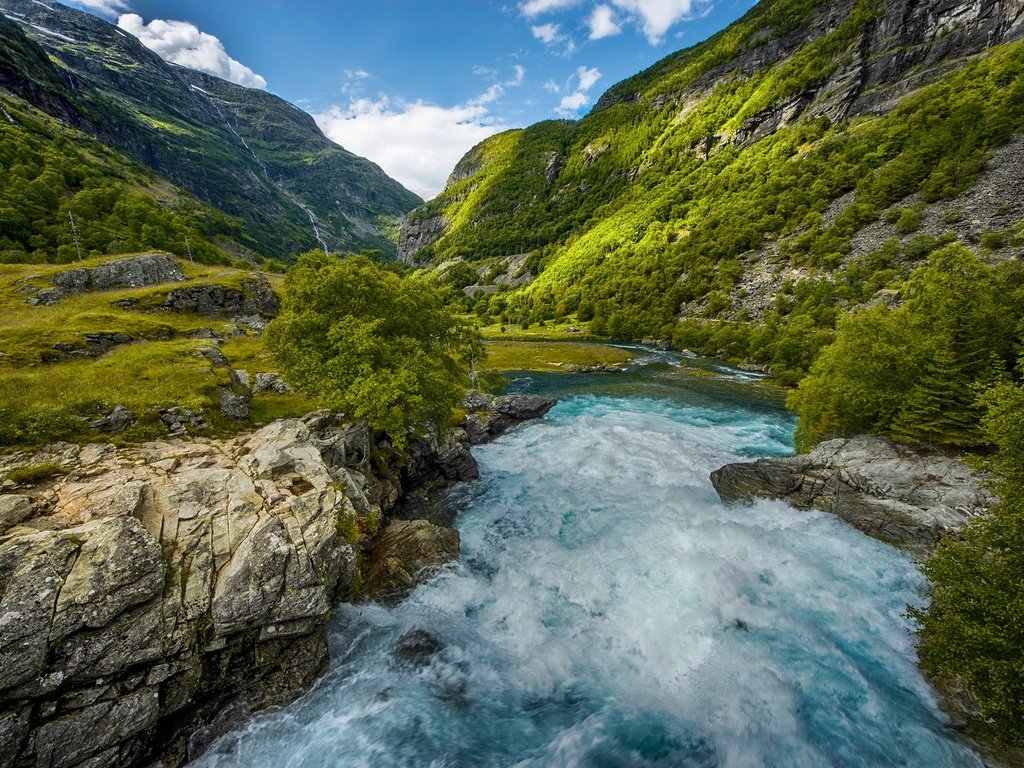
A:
x: 596, y: 368
x: 406, y: 554
x: 151, y: 587
x: 908, y: 496
x: 489, y: 416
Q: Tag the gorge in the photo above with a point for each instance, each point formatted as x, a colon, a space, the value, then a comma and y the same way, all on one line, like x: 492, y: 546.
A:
x: 608, y: 609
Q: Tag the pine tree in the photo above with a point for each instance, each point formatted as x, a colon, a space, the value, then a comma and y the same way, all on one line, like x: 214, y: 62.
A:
x: 940, y: 408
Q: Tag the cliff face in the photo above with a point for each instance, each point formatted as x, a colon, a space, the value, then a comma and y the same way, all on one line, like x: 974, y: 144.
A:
x: 150, y: 586
x: 151, y: 596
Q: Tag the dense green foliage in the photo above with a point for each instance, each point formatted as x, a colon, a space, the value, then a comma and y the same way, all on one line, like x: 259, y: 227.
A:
x: 375, y: 345
x: 644, y: 218
x: 50, y: 177
x: 916, y: 371
x: 972, y: 635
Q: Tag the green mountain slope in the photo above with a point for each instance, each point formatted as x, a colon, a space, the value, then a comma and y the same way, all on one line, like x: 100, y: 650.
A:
x: 247, y: 154
x: 758, y: 176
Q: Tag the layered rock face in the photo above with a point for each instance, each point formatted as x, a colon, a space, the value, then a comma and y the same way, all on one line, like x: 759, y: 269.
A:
x: 151, y: 596
x: 906, y: 496
x: 150, y: 586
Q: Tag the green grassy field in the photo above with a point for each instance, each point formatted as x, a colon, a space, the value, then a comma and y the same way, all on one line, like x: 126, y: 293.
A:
x: 46, y: 397
x: 551, y: 355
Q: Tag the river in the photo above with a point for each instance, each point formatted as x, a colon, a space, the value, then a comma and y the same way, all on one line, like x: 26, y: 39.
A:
x: 609, y: 611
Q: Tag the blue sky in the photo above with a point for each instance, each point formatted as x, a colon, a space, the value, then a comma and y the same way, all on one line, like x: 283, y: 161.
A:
x: 413, y: 84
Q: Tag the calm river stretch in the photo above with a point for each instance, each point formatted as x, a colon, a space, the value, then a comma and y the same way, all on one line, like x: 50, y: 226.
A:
x: 608, y: 610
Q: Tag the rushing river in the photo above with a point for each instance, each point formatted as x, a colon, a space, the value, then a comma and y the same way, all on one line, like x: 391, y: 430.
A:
x: 609, y: 611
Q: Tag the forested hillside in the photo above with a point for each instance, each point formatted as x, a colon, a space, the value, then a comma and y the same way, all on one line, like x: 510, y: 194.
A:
x: 161, y: 147
x: 737, y: 196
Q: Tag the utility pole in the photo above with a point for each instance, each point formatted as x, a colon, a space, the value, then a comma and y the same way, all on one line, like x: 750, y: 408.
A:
x: 189, y: 249
x: 74, y: 233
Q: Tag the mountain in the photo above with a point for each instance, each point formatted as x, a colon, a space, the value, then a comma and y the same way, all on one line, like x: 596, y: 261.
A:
x: 798, y: 162
x: 245, y: 153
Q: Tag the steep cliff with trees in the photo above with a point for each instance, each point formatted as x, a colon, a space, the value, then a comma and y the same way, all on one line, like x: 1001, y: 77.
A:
x: 738, y: 195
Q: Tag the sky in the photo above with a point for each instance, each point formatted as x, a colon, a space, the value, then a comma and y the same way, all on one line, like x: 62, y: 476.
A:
x: 414, y: 84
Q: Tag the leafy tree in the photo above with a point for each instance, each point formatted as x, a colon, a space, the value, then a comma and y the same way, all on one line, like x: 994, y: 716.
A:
x: 972, y: 635
x: 915, y: 370
x: 379, y: 347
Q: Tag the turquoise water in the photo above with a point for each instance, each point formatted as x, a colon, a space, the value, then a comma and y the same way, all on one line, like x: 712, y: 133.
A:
x: 609, y: 611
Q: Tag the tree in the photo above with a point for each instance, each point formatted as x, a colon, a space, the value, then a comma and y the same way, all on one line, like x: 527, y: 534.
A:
x: 972, y: 634
x: 379, y: 347
x: 915, y: 370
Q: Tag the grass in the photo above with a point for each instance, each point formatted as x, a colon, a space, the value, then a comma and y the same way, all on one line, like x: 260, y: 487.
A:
x: 566, y: 330
x: 551, y: 355
x: 30, y: 474
x: 44, y: 399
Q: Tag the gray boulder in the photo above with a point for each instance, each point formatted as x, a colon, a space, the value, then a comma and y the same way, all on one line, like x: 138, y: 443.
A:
x: 254, y: 302
x: 133, y: 272
x: 270, y: 382
x: 117, y: 420
x: 489, y: 416
x: 908, y: 496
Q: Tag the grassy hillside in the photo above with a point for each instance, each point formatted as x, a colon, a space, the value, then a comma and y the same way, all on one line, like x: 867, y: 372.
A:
x: 48, y: 395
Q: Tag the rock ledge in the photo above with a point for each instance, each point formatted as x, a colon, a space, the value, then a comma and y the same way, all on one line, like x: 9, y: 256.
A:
x: 907, y: 496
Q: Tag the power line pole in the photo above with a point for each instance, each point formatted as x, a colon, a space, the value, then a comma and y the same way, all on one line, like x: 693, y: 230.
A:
x: 74, y: 232
x: 189, y: 248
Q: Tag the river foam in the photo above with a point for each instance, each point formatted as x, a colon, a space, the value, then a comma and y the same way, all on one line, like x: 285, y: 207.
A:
x: 608, y: 610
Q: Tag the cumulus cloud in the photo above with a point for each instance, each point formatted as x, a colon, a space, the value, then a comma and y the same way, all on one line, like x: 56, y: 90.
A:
x: 546, y: 33
x: 588, y: 77
x: 417, y: 143
x: 183, y: 43
x: 602, y: 23
x: 532, y: 8
x: 656, y: 16
x: 571, y: 103
x: 108, y: 8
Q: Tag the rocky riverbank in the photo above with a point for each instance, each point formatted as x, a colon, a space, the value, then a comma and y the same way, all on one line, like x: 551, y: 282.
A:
x: 908, y: 496
x: 152, y: 595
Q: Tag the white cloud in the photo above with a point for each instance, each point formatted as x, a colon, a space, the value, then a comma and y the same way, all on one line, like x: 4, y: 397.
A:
x: 588, y: 77
x: 356, y: 74
x: 602, y: 23
x: 183, y: 43
x: 518, y: 78
x: 546, y: 33
x: 656, y: 16
x: 104, y: 7
x: 552, y: 87
x: 551, y: 34
x: 572, y: 102
x: 416, y: 143
x: 532, y: 8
